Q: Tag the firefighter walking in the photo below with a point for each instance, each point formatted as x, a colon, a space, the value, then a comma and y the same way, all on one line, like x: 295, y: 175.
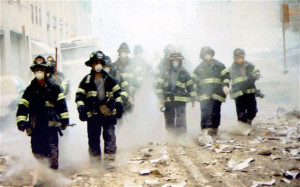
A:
x: 42, y: 112
x: 175, y: 89
x: 211, y: 80
x: 243, y: 90
x: 99, y: 103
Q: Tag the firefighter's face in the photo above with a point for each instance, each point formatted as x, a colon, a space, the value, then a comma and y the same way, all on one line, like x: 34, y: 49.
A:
x: 97, y: 65
x: 239, y: 60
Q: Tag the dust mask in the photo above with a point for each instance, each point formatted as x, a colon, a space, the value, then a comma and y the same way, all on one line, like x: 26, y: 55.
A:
x: 98, y: 68
x: 39, y: 75
x: 207, y: 57
x: 175, y: 64
x: 123, y: 55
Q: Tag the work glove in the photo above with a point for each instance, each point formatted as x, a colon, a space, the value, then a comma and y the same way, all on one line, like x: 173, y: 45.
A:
x: 226, y: 90
x: 82, y: 113
x: 23, y: 125
x: 105, y: 111
x: 119, y: 109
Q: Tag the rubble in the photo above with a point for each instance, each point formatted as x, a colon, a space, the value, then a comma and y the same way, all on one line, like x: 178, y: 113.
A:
x: 257, y: 183
x: 234, y: 166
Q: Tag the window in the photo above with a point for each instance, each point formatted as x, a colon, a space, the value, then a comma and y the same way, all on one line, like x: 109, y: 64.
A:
x: 32, y: 14
x: 48, y: 20
x: 36, y: 16
x: 54, y: 22
x: 40, y: 17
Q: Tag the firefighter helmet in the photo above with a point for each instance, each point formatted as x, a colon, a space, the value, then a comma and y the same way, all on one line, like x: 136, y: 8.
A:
x: 124, y: 48
x: 107, y: 60
x: 206, y: 50
x: 175, y: 55
x: 40, y: 61
x: 138, y: 49
x: 51, y: 62
x: 96, y: 55
x: 238, y: 53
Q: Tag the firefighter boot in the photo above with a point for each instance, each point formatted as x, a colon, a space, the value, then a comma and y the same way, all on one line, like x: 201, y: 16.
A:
x: 109, y: 161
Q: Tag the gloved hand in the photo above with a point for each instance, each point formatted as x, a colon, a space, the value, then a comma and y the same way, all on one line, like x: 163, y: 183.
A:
x: 64, y: 126
x: 119, y: 109
x: 23, y: 125
x: 105, y: 111
x: 82, y: 113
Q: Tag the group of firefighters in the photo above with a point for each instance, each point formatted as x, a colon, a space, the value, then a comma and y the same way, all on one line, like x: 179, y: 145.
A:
x: 108, y: 92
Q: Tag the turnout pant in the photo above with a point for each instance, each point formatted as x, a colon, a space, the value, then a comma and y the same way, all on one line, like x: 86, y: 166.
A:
x: 175, y: 116
x: 44, y: 144
x: 246, y: 107
x: 210, y: 113
x: 94, y: 127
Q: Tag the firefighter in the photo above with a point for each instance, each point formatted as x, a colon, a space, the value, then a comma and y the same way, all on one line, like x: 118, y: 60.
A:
x: 174, y: 89
x: 123, y: 71
x: 243, y: 75
x: 58, y: 76
x: 99, y: 103
x: 43, y: 112
x: 211, y: 79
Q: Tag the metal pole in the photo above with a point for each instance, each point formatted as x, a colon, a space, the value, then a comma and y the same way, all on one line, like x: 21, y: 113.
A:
x: 55, y: 64
x: 283, y: 36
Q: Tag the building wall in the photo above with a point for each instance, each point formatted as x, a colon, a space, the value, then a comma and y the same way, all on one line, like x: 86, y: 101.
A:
x: 47, y: 22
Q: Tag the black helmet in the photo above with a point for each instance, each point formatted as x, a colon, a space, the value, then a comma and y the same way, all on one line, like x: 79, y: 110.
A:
x: 124, y: 48
x: 138, y: 49
x: 40, y: 61
x: 238, y: 53
x: 107, y: 60
x: 97, y: 55
x: 175, y: 55
x: 206, y: 50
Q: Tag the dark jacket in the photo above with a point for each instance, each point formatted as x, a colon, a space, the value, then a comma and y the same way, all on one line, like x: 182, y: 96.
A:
x: 44, y: 106
x: 183, y: 90
x: 243, y: 77
x: 209, y: 80
x: 86, y: 95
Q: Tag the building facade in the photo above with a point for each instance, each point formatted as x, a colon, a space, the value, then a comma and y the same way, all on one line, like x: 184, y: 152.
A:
x: 31, y: 28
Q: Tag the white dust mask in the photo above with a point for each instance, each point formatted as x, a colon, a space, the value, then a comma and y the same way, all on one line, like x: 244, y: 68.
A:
x: 106, y: 69
x: 207, y: 57
x: 123, y: 55
x: 39, y: 75
x: 175, y: 64
x: 98, y: 68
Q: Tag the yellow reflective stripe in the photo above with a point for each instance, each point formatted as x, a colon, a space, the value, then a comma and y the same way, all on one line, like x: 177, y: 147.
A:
x: 123, y: 84
x: 203, y: 97
x: 80, y: 103
x: 181, y: 98
x: 210, y: 80
x: 226, y: 81
x: 218, y: 97
x: 195, y: 77
x: 190, y: 82
x: 193, y: 94
x: 61, y: 96
x: 89, y: 114
x: 160, y: 80
x: 252, y: 90
x: 224, y: 71
x: 180, y: 84
x: 159, y: 91
x: 255, y: 70
x: 114, y: 111
x: 109, y: 94
x: 118, y: 99
x: 48, y: 104
x: 80, y: 90
x: 236, y: 94
x: 128, y: 75
x: 64, y: 115
x: 21, y: 118
x: 24, y: 102
x: 240, y: 79
x: 116, y: 88
x: 91, y: 94
x: 125, y: 94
